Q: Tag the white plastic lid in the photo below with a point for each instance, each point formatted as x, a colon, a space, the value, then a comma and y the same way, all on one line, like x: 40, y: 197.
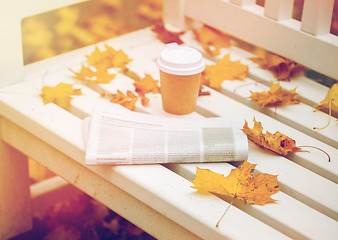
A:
x: 179, y: 60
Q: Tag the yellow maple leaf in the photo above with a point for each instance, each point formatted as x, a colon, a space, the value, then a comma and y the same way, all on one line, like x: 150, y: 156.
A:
x: 60, y: 94
x: 329, y: 104
x: 277, y: 142
x: 275, y: 96
x: 330, y: 99
x: 211, y: 39
x: 214, y: 75
x: 101, y: 75
x: 120, y: 59
x: 239, y: 184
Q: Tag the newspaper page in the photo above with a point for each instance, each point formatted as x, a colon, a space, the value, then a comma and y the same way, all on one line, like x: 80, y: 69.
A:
x: 119, y: 136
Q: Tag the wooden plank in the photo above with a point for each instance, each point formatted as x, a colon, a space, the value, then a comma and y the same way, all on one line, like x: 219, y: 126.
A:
x: 15, y: 211
x: 317, y: 16
x: 278, y: 9
x: 173, y: 15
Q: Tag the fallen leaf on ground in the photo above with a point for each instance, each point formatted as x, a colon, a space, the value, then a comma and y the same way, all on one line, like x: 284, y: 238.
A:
x: 211, y: 39
x: 275, y: 96
x: 277, y: 142
x: 240, y: 184
x: 213, y: 75
x: 281, y: 67
x: 166, y: 36
x: 60, y: 94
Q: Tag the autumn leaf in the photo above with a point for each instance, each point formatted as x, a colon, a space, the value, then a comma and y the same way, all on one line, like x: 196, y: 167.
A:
x: 128, y: 101
x: 281, y: 67
x: 166, y: 36
x: 101, y: 75
x: 147, y: 85
x: 60, y: 94
x: 329, y: 104
x: 275, y: 96
x: 330, y: 99
x: 213, y: 75
x: 211, y: 39
x: 109, y: 58
x: 277, y: 142
x: 239, y: 184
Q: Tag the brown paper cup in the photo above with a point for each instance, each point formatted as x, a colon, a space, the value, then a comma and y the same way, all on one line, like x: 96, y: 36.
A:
x: 180, y: 77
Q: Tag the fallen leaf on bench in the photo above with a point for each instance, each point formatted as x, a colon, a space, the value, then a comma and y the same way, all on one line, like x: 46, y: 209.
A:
x: 108, y: 58
x: 330, y: 102
x: 101, y: 75
x: 276, y: 96
x: 146, y: 85
x: 211, y: 39
x: 128, y: 101
x: 281, y: 67
x: 277, y: 142
x: 214, y: 75
x: 60, y: 94
x: 166, y: 36
x: 239, y: 184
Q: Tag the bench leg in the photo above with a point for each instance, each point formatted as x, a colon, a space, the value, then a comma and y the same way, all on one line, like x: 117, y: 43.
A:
x: 15, y: 211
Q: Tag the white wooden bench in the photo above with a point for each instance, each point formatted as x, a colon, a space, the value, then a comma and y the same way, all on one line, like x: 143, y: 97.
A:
x: 158, y: 198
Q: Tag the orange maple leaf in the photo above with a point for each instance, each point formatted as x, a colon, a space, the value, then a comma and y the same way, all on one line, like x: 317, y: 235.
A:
x: 239, y: 184
x: 213, y: 75
x: 275, y: 96
x: 147, y: 85
x: 60, y: 94
x: 166, y: 36
x: 281, y: 67
x: 211, y: 39
x: 277, y: 142
x: 128, y: 101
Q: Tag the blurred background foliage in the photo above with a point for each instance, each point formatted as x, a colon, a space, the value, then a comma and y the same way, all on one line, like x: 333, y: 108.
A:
x: 55, y: 32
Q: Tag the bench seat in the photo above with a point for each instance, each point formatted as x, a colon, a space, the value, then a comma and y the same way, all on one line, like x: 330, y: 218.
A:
x: 158, y: 198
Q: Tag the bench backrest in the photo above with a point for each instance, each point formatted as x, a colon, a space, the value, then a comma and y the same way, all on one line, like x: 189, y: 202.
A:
x: 271, y: 27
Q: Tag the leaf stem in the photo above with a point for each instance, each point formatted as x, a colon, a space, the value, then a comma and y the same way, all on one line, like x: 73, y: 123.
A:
x: 225, y: 212
x: 317, y: 149
x: 330, y: 107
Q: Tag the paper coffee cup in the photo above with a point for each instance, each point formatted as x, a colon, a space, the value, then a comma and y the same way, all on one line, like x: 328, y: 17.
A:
x: 180, y: 77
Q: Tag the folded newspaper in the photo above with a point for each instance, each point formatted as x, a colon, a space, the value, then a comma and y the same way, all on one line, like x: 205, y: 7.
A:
x: 119, y: 136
